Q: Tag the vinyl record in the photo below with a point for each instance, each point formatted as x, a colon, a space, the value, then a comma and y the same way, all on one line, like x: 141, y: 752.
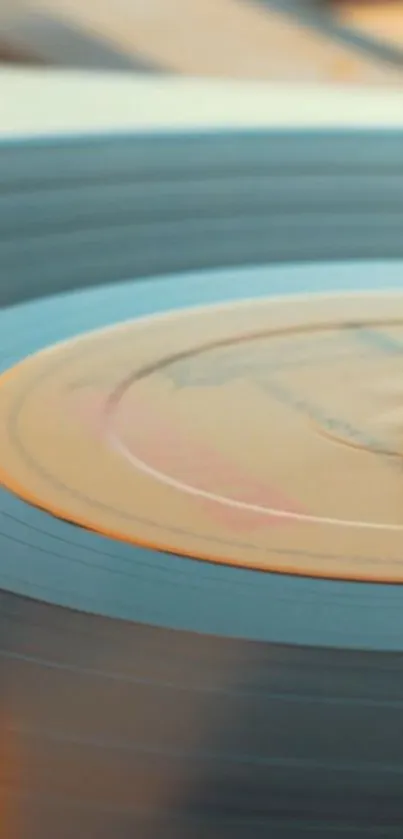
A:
x: 201, y: 623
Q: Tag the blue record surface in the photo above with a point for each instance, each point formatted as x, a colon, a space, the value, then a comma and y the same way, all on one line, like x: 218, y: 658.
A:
x: 53, y: 561
x: 153, y: 696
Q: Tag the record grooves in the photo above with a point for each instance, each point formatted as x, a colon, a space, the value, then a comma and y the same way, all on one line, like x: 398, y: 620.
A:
x: 220, y: 654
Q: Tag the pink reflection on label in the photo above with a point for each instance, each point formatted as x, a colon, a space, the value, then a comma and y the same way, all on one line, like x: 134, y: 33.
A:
x: 170, y: 447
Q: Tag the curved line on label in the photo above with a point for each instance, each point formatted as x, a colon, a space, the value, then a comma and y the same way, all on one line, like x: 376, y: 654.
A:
x: 271, y: 512
x: 231, y: 503
x: 168, y: 444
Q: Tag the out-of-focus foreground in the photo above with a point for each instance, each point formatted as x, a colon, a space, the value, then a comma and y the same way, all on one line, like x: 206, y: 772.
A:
x: 355, y: 41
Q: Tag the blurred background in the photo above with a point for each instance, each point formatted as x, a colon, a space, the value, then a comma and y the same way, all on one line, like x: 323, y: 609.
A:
x: 352, y: 41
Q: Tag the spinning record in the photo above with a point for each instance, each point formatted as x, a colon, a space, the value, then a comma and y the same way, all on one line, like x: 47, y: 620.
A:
x: 201, y: 467
x: 249, y: 434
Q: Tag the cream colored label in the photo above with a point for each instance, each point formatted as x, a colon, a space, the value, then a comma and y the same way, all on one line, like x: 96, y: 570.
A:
x: 267, y: 435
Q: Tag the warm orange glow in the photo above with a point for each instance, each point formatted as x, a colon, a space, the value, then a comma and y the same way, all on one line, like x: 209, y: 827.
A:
x: 381, y: 20
x: 8, y: 780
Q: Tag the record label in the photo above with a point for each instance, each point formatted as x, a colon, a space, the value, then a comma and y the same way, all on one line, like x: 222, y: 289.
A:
x: 266, y: 434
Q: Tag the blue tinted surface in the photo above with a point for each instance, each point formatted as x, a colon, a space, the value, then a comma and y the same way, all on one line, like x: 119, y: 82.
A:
x: 53, y: 561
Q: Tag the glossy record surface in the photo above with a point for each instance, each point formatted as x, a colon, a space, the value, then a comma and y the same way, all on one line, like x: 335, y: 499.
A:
x: 192, y: 689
